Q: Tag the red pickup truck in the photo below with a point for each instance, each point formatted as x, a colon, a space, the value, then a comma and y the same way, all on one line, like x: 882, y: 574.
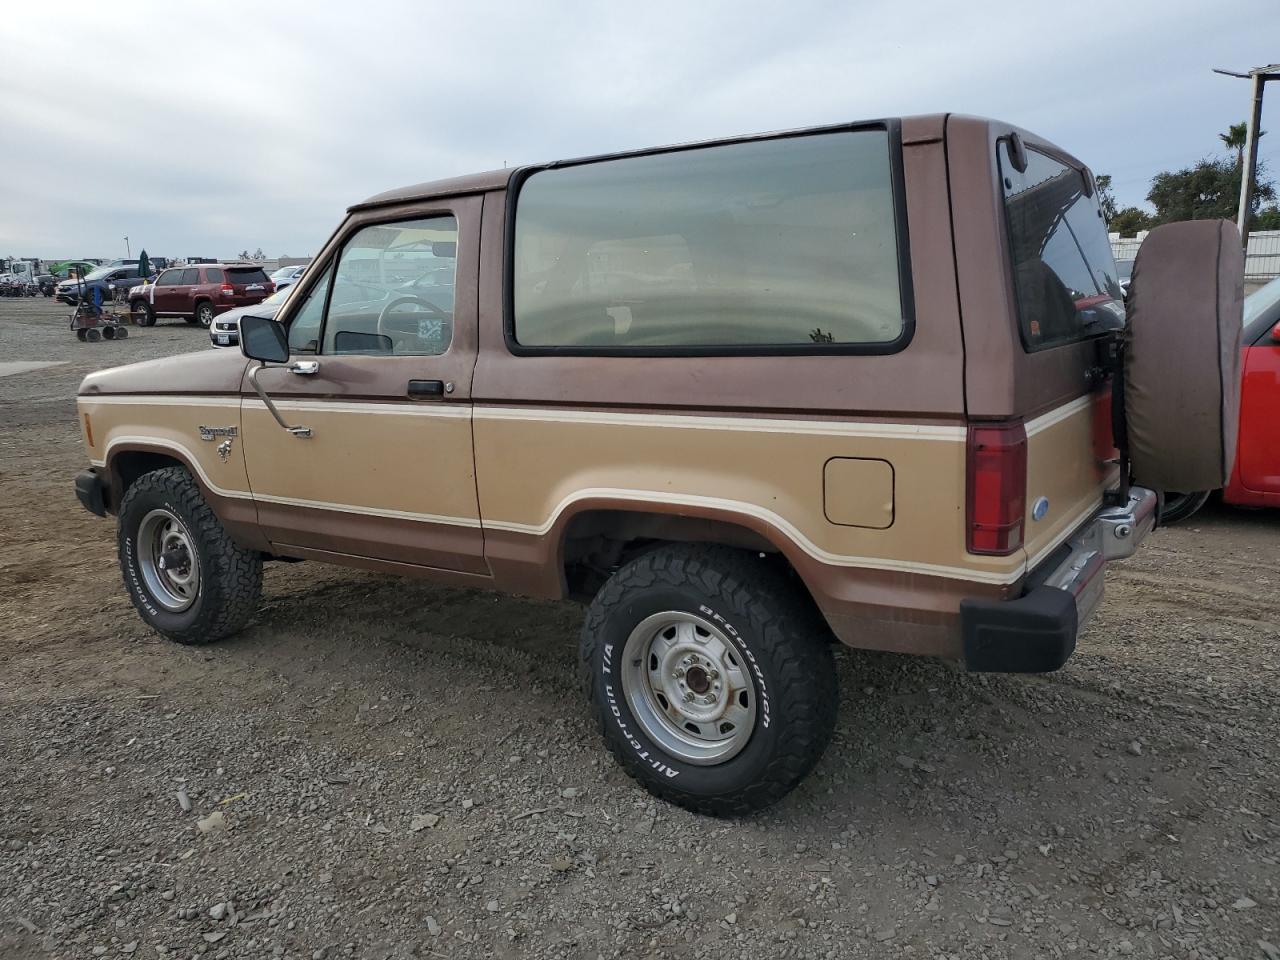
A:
x: 199, y: 293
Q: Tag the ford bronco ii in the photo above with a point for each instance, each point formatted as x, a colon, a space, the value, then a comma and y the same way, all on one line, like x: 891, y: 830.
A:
x: 871, y: 383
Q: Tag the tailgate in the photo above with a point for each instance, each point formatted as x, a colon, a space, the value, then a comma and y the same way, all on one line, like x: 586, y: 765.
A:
x: 248, y: 285
x: 1039, y: 292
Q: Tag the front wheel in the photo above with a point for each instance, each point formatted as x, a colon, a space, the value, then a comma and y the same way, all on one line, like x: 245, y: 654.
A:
x: 711, y: 677
x: 185, y: 575
x: 142, y: 314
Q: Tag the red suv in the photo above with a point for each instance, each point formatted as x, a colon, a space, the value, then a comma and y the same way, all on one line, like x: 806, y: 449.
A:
x: 198, y: 294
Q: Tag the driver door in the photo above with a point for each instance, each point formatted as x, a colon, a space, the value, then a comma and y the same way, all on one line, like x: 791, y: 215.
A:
x: 382, y: 342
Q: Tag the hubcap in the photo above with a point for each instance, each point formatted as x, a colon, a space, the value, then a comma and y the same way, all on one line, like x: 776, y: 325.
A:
x: 205, y: 316
x: 168, y: 560
x: 689, y: 688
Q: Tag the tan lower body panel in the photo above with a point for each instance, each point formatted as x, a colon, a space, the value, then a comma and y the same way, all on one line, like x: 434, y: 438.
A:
x: 888, y: 570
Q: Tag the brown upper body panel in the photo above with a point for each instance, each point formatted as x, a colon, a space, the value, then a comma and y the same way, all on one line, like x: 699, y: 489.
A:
x: 204, y: 372
x: 924, y: 379
x: 1003, y: 379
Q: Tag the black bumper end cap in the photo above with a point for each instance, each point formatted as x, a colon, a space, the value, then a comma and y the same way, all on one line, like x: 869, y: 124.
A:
x: 1035, y: 633
x: 91, y: 492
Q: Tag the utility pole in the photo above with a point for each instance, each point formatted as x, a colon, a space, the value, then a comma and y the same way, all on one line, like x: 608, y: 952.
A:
x: 126, y: 248
x: 1259, y: 76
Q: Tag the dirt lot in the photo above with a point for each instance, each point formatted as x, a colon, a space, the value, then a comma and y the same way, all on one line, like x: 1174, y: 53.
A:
x: 1127, y: 805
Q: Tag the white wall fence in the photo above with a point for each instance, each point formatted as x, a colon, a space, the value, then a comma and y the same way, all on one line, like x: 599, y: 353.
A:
x: 1261, y: 263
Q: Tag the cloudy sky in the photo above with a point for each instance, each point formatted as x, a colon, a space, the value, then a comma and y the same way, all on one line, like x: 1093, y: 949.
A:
x: 205, y: 129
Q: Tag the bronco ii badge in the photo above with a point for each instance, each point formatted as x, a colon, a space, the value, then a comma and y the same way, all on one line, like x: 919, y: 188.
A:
x: 212, y: 433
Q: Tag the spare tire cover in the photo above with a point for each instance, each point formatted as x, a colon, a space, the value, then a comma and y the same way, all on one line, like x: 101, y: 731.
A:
x: 1182, y: 355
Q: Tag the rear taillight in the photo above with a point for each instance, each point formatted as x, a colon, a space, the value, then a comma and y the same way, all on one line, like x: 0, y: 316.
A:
x: 228, y: 289
x: 997, y: 488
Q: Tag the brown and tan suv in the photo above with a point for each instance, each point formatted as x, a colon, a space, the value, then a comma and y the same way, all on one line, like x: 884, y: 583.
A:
x: 742, y: 397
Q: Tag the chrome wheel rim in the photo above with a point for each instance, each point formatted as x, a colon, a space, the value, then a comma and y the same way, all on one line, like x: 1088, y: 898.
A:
x: 689, y: 688
x: 168, y: 560
x: 205, y: 315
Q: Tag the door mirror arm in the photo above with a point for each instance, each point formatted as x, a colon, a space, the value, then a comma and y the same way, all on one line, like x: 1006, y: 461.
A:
x: 264, y: 339
x: 303, y: 432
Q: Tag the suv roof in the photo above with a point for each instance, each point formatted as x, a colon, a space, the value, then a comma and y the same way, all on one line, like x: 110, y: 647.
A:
x: 499, y: 179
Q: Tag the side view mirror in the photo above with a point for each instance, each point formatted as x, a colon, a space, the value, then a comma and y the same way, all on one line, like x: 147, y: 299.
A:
x: 264, y: 340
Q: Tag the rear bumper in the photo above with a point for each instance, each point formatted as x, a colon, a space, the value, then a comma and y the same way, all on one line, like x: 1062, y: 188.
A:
x: 91, y: 491
x: 1037, y: 632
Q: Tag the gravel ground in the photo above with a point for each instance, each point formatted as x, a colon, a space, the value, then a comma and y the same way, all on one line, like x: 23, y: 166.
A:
x: 386, y: 768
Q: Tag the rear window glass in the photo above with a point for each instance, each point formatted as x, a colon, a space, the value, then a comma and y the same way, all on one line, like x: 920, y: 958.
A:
x: 246, y: 275
x: 790, y: 242
x: 1064, y: 276
x: 212, y: 275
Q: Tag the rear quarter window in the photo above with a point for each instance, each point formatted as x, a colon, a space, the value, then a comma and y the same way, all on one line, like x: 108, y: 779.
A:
x: 212, y: 275
x: 1065, y: 279
x: 790, y: 244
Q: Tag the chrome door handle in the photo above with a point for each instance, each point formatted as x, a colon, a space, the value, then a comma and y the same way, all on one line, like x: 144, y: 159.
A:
x: 304, y: 367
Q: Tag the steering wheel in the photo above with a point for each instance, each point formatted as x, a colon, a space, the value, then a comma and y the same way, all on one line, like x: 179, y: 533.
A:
x: 385, y: 314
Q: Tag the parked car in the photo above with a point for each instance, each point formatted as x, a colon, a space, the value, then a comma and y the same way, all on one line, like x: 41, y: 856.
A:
x: 198, y: 294
x: 225, y: 331
x: 286, y: 276
x: 1124, y: 271
x: 743, y: 398
x: 107, y: 280
x: 47, y: 283
x: 1255, y: 479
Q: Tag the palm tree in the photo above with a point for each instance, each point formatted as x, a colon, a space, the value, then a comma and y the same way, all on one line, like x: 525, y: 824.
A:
x: 1234, y: 139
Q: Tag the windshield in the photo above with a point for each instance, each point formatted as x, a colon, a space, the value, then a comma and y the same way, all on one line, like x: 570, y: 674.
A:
x: 1261, y: 300
x: 278, y: 296
x: 282, y: 273
x: 100, y: 273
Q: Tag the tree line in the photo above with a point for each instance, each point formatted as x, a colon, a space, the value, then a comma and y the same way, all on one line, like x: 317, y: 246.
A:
x: 1208, y: 190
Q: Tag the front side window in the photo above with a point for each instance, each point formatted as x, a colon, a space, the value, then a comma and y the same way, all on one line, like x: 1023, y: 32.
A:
x: 789, y: 243
x: 393, y: 291
x: 1065, y: 278
x: 304, y: 328
x: 169, y: 278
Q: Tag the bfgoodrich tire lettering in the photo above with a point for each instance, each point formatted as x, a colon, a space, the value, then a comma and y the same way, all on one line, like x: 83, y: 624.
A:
x: 774, y: 632
x: 229, y: 577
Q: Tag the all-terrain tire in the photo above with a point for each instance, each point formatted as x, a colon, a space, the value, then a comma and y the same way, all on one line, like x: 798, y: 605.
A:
x: 230, y: 582
x: 1182, y: 506
x: 778, y: 635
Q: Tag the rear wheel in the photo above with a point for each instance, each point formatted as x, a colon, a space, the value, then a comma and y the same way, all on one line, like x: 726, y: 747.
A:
x: 185, y: 575
x: 1182, y: 506
x: 204, y: 314
x: 711, y: 677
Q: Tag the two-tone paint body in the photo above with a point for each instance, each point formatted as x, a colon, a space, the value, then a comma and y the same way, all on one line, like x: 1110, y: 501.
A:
x: 853, y: 467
